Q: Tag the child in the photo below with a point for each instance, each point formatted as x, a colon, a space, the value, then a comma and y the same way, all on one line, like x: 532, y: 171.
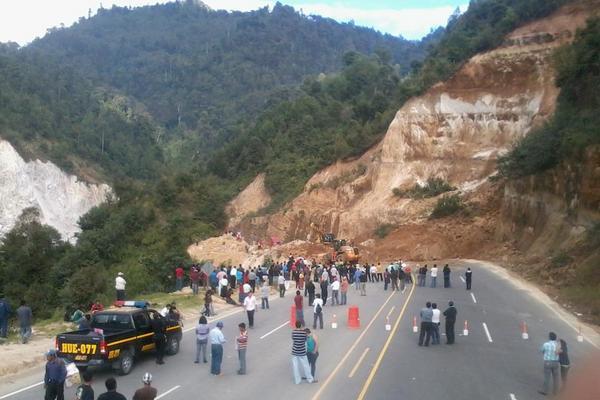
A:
x: 241, y: 343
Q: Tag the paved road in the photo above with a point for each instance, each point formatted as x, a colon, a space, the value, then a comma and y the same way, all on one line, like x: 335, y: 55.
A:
x: 371, y: 362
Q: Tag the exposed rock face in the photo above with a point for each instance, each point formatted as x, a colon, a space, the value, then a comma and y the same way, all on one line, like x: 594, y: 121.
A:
x: 60, y: 198
x: 253, y: 198
x: 455, y: 131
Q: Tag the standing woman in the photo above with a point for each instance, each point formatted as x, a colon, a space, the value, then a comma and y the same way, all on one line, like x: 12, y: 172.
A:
x: 565, y: 363
x: 446, y: 276
x: 312, y: 352
x: 344, y: 290
x: 202, y: 331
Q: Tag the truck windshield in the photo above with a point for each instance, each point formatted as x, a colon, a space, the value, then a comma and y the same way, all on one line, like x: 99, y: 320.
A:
x: 112, y: 321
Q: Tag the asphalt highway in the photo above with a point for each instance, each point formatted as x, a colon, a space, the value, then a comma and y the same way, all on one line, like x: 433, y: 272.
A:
x: 371, y: 362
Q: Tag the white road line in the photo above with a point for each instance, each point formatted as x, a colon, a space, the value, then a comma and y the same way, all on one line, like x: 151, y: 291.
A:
x: 174, y: 388
x: 274, y: 330
x: 487, y: 332
x: 512, y: 397
x: 358, y: 363
x: 473, y: 297
x: 462, y: 279
x: 391, y: 310
x: 21, y: 390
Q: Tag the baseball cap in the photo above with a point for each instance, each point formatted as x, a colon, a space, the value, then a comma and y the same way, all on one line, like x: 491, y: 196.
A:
x: 220, y: 324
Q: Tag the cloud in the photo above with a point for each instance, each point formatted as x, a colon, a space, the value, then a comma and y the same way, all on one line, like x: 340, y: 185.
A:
x: 412, y: 23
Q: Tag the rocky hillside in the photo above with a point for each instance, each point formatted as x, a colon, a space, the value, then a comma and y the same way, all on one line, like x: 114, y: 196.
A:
x: 455, y: 132
x: 61, y: 199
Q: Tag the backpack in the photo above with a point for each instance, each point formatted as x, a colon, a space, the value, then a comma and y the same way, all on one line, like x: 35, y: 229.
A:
x: 319, y: 309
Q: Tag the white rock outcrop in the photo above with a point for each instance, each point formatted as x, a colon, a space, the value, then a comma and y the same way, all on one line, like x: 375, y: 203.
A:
x: 60, y: 198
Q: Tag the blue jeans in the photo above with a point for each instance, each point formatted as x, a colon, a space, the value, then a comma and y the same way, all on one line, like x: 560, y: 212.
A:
x: 242, y: 357
x: 435, y: 333
x: 433, y: 281
x: 300, y: 315
x: 201, y: 348
x: 297, y: 362
x: 178, y: 284
x: 25, y: 333
x: 216, y: 358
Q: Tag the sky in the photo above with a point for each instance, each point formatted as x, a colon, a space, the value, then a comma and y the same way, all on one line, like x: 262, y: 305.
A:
x: 22, y: 21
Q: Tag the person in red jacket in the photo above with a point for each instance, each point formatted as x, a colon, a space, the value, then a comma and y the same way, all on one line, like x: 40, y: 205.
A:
x: 97, y: 306
x: 178, y: 278
x: 195, y: 278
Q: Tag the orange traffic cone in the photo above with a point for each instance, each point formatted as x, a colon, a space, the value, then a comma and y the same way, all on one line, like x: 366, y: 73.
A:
x: 524, y: 333
x: 415, y: 327
x: 466, y: 328
x: 353, y: 318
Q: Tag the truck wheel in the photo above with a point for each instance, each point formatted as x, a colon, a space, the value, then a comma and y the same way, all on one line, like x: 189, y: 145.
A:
x: 172, y: 346
x: 125, y: 363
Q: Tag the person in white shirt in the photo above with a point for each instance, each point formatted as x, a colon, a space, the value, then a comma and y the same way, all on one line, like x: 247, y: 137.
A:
x: 373, y: 271
x: 434, y: 273
x: 223, y: 284
x: 120, y: 283
x: 435, y: 322
x: 281, y: 283
x: 250, y: 306
x: 216, y: 339
x: 335, y: 290
x: 318, y: 311
x: 233, y: 277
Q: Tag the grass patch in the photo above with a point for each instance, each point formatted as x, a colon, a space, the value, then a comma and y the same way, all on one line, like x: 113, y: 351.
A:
x: 383, y: 230
x: 448, y: 205
x: 560, y: 260
x: 433, y: 187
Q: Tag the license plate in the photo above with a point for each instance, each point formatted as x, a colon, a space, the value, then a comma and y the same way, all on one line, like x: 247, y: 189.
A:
x: 78, y: 348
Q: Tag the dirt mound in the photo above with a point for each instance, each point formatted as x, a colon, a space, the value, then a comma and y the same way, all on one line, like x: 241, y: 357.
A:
x: 253, y: 198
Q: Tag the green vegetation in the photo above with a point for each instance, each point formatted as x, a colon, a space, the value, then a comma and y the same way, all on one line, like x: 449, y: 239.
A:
x: 574, y: 125
x: 433, y: 187
x: 448, y: 205
x: 383, y: 230
x: 202, y: 73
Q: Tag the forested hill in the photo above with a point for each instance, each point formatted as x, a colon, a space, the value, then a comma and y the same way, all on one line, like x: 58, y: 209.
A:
x: 203, y: 71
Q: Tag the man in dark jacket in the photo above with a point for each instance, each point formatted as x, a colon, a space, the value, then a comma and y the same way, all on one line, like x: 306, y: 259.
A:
x: 4, y: 314
x: 54, y: 379
x: 159, y: 328
x: 310, y: 289
x: 450, y: 315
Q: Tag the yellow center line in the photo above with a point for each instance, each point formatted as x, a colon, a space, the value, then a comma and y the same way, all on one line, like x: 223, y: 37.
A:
x: 358, y: 363
x: 356, y: 342
x: 363, y: 392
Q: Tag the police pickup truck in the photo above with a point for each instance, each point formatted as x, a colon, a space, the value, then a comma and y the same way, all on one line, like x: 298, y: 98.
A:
x: 117, y: 337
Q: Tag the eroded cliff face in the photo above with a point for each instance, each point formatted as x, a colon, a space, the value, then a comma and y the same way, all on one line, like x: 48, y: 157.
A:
x: 60, y: 198
x: 455, y: 131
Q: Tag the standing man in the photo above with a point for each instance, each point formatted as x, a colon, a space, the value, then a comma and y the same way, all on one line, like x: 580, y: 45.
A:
x: 446, y: 271
x: 159, y: 330
x: 318, y: 312
x: 363, y: 282
x: 435, y: 324
x: 4, y: 314
x: 241, y: 344
x: 195, y: 278
x: 434, y: 273
x: 401, y: 278
x: 298, y: 302
x: 217, y: 339
x: 281, y: 283
x: 178, y: 278
x: 344, y: 290
x: 394, y: 278
x: 146, y: 392
x: 25, y: 316
x: 335, y: 292
x: 265, y: 290
x: 120, y: 283
x: 450, y: 314
x: 324, y: 286
x: 233, y: 276
x: 299, y: 358
x: 426, y: 317
x: 551, y: 352
x: 250, y: 307
x: 54, y: 378
x: 309, y: 288
x: 468, y: 277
